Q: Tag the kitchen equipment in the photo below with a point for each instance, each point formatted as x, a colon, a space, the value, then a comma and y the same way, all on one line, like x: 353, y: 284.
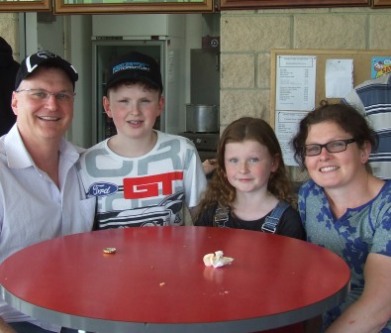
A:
x: 202, y: 118
x: 205, y: 143
x: 205, y: 76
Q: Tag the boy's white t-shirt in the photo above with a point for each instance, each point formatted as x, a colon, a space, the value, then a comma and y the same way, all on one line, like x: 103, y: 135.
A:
x: 144, y: 191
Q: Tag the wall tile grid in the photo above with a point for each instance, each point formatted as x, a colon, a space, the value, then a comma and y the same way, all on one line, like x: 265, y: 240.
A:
x: 248, y: 36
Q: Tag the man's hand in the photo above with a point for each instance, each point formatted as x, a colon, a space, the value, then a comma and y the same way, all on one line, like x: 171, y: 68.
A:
x: 4, y: 328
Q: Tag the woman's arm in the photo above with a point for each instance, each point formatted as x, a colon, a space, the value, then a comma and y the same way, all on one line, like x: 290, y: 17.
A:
x: 370, y: 313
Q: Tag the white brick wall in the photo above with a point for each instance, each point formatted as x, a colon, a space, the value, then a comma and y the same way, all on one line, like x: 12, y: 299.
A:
x: 248, y: 36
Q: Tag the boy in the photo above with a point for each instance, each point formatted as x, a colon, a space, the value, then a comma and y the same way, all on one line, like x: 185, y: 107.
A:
x: 140, y: 176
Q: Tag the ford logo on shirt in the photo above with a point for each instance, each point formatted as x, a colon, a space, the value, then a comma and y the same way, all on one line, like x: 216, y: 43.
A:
x: 102, y: 189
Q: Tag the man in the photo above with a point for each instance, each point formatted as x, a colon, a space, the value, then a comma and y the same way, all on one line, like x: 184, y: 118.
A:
x: 373, y: 99
x: 40, y: 193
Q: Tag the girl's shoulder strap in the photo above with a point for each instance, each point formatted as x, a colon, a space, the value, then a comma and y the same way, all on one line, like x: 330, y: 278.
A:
x: 272, y: 220
x: 221, y: 216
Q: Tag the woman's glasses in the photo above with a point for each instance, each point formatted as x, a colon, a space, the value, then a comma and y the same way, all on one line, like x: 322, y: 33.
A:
x: 336, y: 146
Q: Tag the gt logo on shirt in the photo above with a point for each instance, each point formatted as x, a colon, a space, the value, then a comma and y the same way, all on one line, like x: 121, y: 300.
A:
x: 149, y: 186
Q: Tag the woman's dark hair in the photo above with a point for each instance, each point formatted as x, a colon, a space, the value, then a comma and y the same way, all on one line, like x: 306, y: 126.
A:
x: 247, y: 128
x: 344, y: 115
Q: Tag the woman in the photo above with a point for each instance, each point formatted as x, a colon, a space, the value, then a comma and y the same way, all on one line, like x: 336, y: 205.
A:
x: 347, y: 210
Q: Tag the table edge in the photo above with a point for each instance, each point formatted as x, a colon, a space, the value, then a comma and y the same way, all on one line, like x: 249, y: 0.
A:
x: 239, y: 326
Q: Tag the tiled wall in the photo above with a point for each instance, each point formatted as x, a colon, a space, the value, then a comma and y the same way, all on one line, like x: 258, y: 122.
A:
x: 248, y: 36
x: 9, y: 30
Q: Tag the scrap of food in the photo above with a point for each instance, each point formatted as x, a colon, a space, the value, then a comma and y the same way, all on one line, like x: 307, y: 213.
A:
x: 216, y: 259
x: 109, y: 250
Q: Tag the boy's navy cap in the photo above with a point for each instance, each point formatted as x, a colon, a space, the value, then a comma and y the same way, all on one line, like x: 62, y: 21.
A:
x: 32, y: 62
x: 134, y: 66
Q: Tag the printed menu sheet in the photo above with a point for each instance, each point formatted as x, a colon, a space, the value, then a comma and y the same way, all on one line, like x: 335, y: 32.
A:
x: 295, y: 96
x: 295, y: 82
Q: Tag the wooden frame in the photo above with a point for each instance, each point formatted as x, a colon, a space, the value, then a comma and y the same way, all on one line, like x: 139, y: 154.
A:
x: 261, y: 4
x: 362, y: 69
x: 122, y: 6
x: 381, y: 3
x: 25, y: 6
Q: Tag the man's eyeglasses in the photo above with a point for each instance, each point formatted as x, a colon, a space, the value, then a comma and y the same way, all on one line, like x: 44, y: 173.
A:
x: 336, y: 146
x: 43, y: 95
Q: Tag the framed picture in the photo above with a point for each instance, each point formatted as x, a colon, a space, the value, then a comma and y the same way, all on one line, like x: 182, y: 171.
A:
x: 381, y: 3
x: 25, y: 5
x: 131, y: 6
x: 243, y: 4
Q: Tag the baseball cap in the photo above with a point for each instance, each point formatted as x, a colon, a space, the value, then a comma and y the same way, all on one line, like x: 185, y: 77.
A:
x: 32, y: 62
x: 134, y: 66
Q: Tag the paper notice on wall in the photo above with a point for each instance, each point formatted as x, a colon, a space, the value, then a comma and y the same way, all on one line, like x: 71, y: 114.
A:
x: 286, y: 126
x: 295, y: 82
x: 339, y: 77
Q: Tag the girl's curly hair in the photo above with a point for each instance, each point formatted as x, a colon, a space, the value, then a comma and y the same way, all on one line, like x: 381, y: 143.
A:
x: 219, y: 190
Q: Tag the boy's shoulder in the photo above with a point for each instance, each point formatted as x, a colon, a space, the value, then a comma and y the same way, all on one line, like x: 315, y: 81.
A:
x: 163, y: 136
x: 98, y: 145
x: 87, y: 151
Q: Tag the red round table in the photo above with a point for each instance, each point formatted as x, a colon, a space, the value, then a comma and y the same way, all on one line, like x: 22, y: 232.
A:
x: 157, y: 281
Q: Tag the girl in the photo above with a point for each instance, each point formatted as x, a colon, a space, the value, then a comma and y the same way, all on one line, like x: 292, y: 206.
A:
x: 250, y: 183
x: 250, y: 188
